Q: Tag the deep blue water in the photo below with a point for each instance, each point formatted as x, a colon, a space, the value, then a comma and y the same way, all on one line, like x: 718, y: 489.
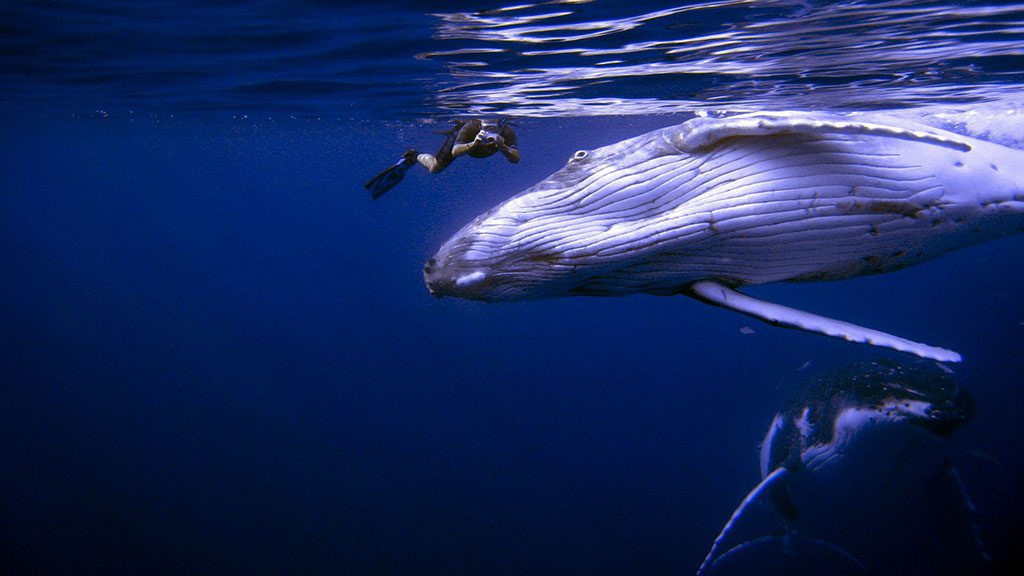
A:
x: 218, y: 355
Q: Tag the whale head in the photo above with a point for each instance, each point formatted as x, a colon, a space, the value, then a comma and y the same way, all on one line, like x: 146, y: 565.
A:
x: 884, y: 392
x: 867, y: 405
x: 573, y: 232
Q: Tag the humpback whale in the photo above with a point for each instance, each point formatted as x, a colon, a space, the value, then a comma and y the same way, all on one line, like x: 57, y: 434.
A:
x: 715, y: 204
x: 857, y: 467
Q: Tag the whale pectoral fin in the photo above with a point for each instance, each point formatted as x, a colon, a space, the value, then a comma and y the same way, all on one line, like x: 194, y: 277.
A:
x: 770, y: 480
x: 778, y: 315
x: 700, y: 133
x: 792, y: 543
x: 952, y: 476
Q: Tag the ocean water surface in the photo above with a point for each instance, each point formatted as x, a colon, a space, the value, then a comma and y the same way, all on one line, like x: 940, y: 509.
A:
x: 217, y: 354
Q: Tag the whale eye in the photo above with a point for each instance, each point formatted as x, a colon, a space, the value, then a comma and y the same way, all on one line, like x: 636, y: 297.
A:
x: 579, y: 155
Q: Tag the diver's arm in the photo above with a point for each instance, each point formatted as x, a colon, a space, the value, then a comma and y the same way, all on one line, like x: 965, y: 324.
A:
x: 511, y: 153
x: 507, y: 145
x: 466, y: 138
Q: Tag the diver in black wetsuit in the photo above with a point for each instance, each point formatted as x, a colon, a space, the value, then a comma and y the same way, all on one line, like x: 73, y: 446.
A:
x: 477, y: 138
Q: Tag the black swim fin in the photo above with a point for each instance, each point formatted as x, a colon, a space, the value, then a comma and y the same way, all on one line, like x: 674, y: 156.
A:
x: 391, y: 176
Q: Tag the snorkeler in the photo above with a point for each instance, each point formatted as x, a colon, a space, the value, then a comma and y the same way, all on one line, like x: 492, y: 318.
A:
x: 477, y: 138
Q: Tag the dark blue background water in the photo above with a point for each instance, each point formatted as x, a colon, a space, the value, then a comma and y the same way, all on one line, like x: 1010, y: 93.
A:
x: 218, y: 356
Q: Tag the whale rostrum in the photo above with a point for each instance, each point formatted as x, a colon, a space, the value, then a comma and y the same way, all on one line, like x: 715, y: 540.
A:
x: 715, y: 204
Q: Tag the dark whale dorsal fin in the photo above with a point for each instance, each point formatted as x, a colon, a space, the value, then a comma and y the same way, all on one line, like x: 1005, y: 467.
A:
x: 702, y: 132
x: 778, y: 315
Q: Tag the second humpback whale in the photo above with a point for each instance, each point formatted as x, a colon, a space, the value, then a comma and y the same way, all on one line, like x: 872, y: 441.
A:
x: 718, y: 203
x: 857, y: 471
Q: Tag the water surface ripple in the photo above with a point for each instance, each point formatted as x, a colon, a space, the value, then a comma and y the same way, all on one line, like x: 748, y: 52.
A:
x: 574, y: 58
x: 415, y: 59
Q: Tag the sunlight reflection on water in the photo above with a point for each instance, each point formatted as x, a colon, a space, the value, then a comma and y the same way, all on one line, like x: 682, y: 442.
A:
x: 574, y: 57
